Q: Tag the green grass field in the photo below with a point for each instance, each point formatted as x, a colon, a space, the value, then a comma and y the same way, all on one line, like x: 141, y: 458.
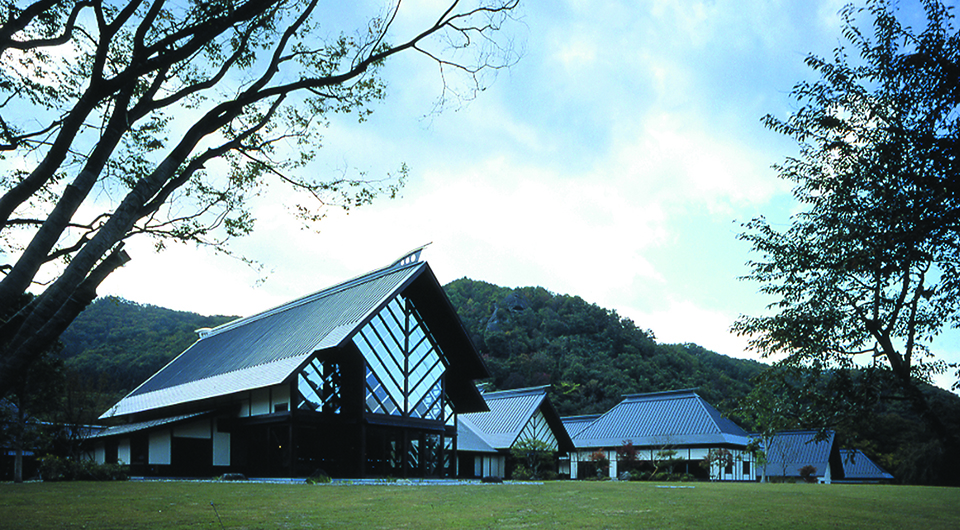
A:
x: 551, y: 505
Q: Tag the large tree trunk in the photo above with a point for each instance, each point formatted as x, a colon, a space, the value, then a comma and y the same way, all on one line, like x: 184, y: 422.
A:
x: 14, y: 360
x: 18, y: 456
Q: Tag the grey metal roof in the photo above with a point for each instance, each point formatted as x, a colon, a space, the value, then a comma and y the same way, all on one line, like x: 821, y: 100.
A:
x: 510, y: 410
x: 468, y: 439
x: 575, y: 424
x: 265, y: 349
x: 858, y: 467
x: 144, y: 425
x: 675, y: 418
x: 790, y: 451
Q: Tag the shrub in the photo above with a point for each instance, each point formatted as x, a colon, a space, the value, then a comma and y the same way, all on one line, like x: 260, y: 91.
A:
x: 535, y: 456
x: 521, y: 473
x: 807, y: 473
x: 602, y: 463
x: 550, y: 475
x: 319, y: 477
x: 56, y: 469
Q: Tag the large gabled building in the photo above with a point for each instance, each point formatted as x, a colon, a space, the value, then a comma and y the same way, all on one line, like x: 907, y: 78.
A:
x: 678, y: 425
x: 363, y: 379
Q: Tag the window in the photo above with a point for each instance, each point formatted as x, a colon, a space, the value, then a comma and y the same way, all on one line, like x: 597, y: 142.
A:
x: 319, y: 386
x: 405, y: 366
x: 280, y: 407
x: 746, y: 468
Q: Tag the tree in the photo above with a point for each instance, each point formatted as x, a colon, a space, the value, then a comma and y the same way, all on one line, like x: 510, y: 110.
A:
x: 868, y: 270
x: 176, y: 113
x: 35, y: 394
x: 601, y: 463
x: 627, y: 459
x: 532, y: 457
x: 664, y: 458
x: 718, y: 459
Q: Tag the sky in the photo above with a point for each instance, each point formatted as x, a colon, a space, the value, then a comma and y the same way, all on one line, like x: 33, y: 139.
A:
x: 615, y: 161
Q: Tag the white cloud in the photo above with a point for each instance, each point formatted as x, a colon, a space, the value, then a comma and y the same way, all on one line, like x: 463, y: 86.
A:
x: 682, y: 321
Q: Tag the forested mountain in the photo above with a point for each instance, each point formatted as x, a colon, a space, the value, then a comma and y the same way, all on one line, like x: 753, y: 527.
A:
x: 589, y: 355
x: 124, y: 343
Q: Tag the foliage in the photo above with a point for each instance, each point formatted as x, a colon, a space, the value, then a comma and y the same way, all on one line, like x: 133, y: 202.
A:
x: 319, y: 477
x: 57, y: 469
x: 869, y: 268
x: 665, y: 458
x: 35, y: 395
x: 601, y: 463
x: 165, y: 119
x: 717, y: 460
x: 627, y: 456
x: 125, y: 342
x: 533, y: 458
x: 808, y: 473
x: 589, y: 356
x: 521, y: 472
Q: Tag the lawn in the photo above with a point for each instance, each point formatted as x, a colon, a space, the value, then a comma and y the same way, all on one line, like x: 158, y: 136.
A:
x: 551, y: 505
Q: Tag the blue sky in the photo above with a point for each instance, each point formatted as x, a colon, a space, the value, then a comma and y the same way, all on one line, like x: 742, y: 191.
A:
x: 615, y: 161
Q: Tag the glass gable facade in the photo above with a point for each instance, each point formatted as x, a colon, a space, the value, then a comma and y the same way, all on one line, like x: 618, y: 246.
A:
x: 319, y: 384
x: 404, y: 365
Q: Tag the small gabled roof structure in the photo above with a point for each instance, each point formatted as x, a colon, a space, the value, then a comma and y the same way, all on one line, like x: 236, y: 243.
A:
x: 575, y: 424
x: 270, y: 347
x: 513, y: 415
x: 857, y: 467
x: 675, y: 418
x: 471, y: 441
x: 791, y: 451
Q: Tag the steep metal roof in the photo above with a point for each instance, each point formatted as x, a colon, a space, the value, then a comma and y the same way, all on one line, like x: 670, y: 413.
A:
x: 575, y: 424
x: 510, y: 410
x: 469, y: 440
x: 675, y: 418
x: 858, y: 467
x: 790, y: 451
x: 145, y: 425
x: 265, y: 349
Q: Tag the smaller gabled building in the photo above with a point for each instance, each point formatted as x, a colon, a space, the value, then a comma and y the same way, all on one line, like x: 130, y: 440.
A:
x: 486, y: 438
x: 575, y: 424
x: 858, y: 468
x: 801, y: 455
x: 678, y: 425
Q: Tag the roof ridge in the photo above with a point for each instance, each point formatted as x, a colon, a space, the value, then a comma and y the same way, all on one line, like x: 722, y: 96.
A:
x: 327, y: 291
x: 581, y: 416
x: 664, y: 393
x: 709, y: 410
x: 517, y: 391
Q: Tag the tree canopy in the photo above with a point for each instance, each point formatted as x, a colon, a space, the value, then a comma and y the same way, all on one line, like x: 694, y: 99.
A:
x: 866, y: 275
x: 163, y: 118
